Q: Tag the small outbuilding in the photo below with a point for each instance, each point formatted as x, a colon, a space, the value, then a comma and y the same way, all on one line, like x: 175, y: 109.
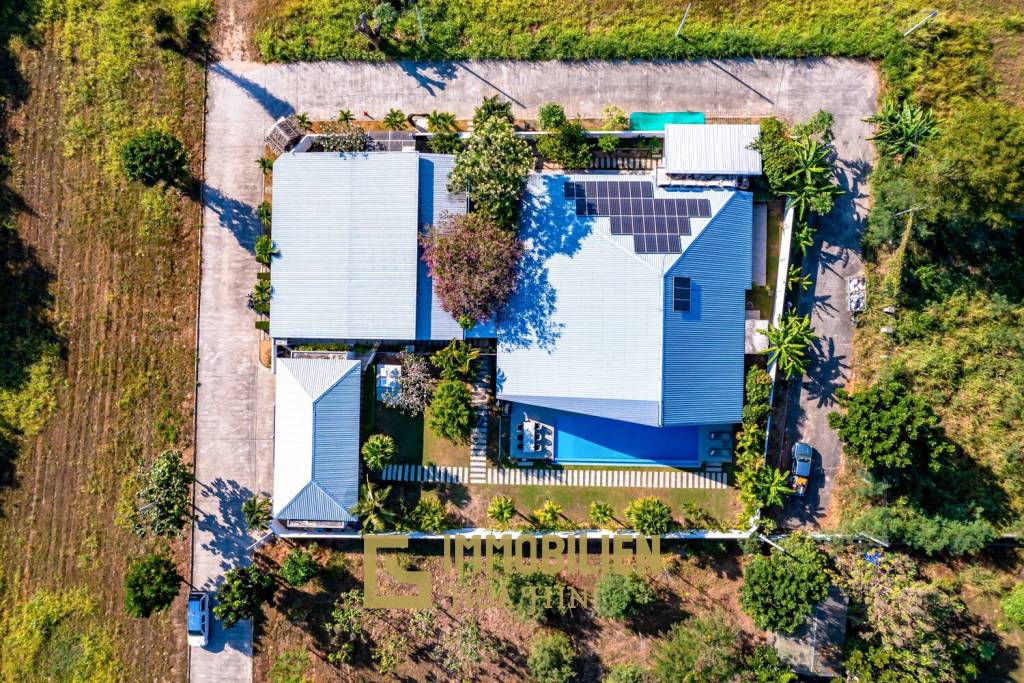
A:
x: 694, y: 149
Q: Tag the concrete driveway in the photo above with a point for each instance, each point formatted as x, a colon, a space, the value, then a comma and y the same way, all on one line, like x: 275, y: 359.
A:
x: 235, y: 404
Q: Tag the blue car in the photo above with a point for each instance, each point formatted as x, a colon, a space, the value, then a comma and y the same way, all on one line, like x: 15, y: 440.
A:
x: 198, y: 619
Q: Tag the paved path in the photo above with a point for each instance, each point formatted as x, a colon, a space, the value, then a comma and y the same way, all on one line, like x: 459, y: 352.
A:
x: 478, y: 437
x: 233, y: 441
x: 835, y: 256
x: 654, y: 479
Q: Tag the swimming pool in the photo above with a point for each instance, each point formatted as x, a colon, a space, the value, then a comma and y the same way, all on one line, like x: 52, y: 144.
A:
x: 644, y: 120
x: 587, y: 440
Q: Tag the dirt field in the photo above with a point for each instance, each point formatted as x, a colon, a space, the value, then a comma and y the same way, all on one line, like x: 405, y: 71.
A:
x: 122, y: 269
x: 687, y: 586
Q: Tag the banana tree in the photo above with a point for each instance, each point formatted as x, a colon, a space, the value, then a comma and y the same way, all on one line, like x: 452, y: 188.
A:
x: 371, y: 510
x: 788, y: 343
x: 902, y: 128
x: 796, y: 278
x: 770, y: 486
x: 811, y: 186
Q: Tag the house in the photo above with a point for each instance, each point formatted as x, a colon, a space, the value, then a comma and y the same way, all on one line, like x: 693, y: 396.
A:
x: 347, y: 229
x: 625, y: 338
x: 316, y: 442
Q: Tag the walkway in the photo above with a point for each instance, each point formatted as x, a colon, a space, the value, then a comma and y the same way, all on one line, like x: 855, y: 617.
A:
x: 647, y: 479
x: 482, y: 389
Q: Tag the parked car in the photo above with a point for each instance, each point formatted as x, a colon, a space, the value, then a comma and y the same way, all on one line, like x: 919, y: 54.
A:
x: 198, y: 619
x: 801, y: 467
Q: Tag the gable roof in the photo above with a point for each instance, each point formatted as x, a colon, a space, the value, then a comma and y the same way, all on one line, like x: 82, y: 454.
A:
x: 586, y: 330
x: 346, y: 227
x: 711, y: 149
x: 316, y: 439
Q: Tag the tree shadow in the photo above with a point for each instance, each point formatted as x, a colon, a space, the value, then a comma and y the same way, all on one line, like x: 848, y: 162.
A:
x: 826, y: 374
x: 443, y: 72
x: 228, y: 528
x: 550, y: 227
x: 235, y: 215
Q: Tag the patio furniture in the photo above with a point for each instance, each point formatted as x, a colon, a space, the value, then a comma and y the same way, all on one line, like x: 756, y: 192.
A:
x: 720, y: 436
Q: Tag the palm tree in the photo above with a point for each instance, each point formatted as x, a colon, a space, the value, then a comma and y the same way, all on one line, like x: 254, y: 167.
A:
x: 811, y: 184
x: 264, y: 249
x: 345, y: 116
x: 261, y: 292
x: 256, y: 511
x: 787, y: 343
x: 378, y: 451
x: 501, y: 509
x: 394, y: 120
x: 370, y: 508
x: 303, y: 120
x: 441, y: 122
x: 266, y: 165
x: 902, y: 128
x: 263, y: 212
x: 770, y: 486
x: 797, y: 278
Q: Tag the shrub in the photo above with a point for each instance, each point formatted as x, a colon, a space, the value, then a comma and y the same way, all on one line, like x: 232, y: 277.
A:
x: 196, y: 17
x: 780, y: 591
x: 450, y: 411
x: 549, y: 516
x: 699, y: 650
x: 615, y: 118
x: 778, y: 155
x: 626, y: 673
x: 344, y: 137
x: 1013, y: 605
x: 430, y: 515
x: 386, y: 16
x: 150, y: 585
x: 242, y: 594
x: 155, y: 156
x: 758, y: 387
x: 166, y: 499
x: 601, y: 514
x: 607, y: 143
x: 501, y: 509
x: 446, y: 142
x: 907, y: 525
x: 567, y: 146
x: 551, y: 116
x: 415, y: 385
x: 534, y: 596
x: 767, y: 667
x: 378, y: 451
x: 256, y: 512
x: 473, y: 263
x: 650, y: 516
x: 620, y: 597
x: 455, y: 361
x: 299, y: 567
x: 552, y: 659
x: 492, y: 168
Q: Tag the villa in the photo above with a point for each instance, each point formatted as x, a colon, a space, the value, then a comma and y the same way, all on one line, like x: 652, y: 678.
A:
x: 623, y: 344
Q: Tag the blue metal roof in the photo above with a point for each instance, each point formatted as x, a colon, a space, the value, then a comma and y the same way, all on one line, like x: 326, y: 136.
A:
x: 703, y: 348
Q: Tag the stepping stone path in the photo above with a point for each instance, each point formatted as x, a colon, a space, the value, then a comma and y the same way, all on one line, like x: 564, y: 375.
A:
x: 478, y: 436
x: 430, y: 475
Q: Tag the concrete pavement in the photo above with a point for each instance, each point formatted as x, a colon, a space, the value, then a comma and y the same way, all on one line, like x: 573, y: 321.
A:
x: 235, y: 403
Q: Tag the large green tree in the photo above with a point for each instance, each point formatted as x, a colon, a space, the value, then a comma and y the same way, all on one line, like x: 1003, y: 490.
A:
x: 150, y: 585
x: 780, y: 590
x: 450, y: 411
x: 155, y: 156
x: 492, y: 168
x: 242, y: 594
x: 166, y: 504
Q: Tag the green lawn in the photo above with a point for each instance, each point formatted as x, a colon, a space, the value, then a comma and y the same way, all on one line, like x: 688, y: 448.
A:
x: 417, y: 443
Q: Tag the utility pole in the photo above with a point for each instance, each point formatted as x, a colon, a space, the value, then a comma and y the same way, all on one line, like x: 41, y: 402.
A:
x: 931, y: 15
x: 683, y: 22
x: 419, y: 20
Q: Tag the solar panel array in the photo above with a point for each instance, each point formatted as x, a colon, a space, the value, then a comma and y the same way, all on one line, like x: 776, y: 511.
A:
x: 656, y: 223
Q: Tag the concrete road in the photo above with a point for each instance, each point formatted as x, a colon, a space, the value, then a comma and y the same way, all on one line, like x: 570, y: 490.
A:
x: 234, y: 454
x: 834, y: 257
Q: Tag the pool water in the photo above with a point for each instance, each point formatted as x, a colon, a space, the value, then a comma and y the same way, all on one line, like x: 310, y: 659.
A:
x: 587, y: 440
x: 643, y: 120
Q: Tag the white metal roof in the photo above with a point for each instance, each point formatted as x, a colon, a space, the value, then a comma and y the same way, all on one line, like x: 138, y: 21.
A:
x: 711, y: 149
x: 346, y: 229
x: 316, y: 439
